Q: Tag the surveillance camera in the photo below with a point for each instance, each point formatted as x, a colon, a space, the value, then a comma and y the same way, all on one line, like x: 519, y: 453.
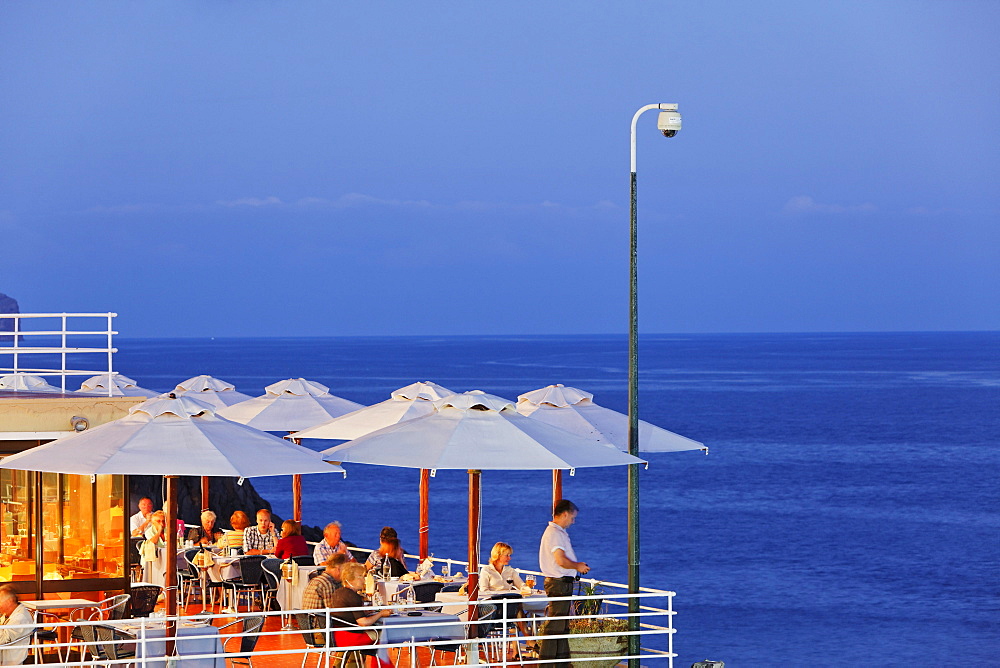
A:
x: 669, y: 122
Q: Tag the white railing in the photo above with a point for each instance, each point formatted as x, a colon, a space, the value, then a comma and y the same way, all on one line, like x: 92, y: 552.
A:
x: 490, y: 642
x: 52, y: 334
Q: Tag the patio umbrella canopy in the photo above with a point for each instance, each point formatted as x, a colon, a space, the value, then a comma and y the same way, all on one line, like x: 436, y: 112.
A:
x: 25, y: 382
x: 289, y: 405
x: 477, y: 431
x: 404, y: 404
x: 217, y: 393
x: 122, y: 386
x: 171, y: 437
x: 574, y: 410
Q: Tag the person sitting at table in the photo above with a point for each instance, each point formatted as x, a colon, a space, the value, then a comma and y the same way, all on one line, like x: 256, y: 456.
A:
x: 206, y: 533
x: 319, y: 592
x: 291, y: 544
x: 140, y: 521
x: 156, y: 531
x: 234, y: 538
x: 498, y: 575
x: 388, y: 552
x: 262, y: 538
x: 331, y: 544
x: 13, y: 614
x: 349, y: 596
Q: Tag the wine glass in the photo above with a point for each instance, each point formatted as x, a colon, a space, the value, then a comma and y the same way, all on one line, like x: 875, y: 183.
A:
x: 530, y: 581
x: 510, y: 583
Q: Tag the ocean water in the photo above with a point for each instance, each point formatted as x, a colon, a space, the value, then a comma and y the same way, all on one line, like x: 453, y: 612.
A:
x: 846, y: 515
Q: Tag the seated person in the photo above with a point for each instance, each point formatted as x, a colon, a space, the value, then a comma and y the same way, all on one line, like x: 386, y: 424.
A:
x: 12, y: 614
x: 291, y: 544
x: 156, y: 531
x: 388, y: 558
x: 262, y: 538
x: 207, y: 533
x: 498, y: 575
x: 349, y: 596
x: 319, y: 592
x: 331, y: 544
x: 234, y: 539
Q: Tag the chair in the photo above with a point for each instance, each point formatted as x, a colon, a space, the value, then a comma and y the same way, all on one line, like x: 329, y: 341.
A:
x: 249, y: 581
x: 114, y: 644
x: 505, y: 630
x: 356, y: 655
x: 189, y: 579
x: 107, y: 610
x: 144, y: 598
x: 43, y: 634
x: 359, y: 555
x: 304, y: 560
x: 485, y: 613
x: 425, y: 592
x: 306, y: 622
x: 248, y: 637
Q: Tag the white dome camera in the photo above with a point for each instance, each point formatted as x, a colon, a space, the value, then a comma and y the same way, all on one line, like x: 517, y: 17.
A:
x: 669, y: 121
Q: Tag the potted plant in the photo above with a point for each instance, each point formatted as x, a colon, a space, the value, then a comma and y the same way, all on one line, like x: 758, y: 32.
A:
x: 586, y: 646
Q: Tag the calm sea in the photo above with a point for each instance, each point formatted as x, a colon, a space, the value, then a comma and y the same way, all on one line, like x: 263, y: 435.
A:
x: 846, y: 516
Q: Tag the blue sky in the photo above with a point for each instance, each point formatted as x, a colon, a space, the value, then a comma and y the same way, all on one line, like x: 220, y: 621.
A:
x: 266, y: 168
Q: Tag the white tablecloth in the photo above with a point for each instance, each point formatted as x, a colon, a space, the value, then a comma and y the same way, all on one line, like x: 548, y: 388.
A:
x: 290, y: 597
x: 185, y: 645
x: 422, y: 627
x: 154, y: 572
x: 455, y: 603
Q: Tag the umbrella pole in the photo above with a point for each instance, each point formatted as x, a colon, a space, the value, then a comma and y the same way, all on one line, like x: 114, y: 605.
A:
x: 170, y: 590
x: 204, y: 492
x: 557, y: 479
x: 425, y: 484
x: 297, y: 497
x: 475, y: 499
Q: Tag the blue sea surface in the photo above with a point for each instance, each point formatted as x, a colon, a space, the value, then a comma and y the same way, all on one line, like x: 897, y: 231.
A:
x: 846, y: 515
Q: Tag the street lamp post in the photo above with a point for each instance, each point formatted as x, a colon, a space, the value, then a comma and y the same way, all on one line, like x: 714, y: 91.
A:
x: 668, y: 123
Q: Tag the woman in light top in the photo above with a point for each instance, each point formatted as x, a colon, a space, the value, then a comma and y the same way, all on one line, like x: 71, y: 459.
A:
x: 234, y: 538
x: 498, y: 575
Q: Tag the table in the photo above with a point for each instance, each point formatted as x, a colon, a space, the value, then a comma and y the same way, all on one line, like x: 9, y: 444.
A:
x: 290, y: 597
x: 456, y: 603
x: 70, y: 604
x: 422, y: 627
x: 155, y: 647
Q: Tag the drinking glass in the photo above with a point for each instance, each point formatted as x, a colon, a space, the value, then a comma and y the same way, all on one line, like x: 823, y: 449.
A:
x: 530, y: 581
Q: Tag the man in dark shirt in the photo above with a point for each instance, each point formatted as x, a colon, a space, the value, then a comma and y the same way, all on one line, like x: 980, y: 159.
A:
x: 319, y: 592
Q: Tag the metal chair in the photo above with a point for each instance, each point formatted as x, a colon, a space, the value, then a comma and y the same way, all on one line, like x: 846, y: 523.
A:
x: 355, y: 656
x: 107, y: 610
x: 144, y: 598
x: 249, y: 581
x: 272, y: 578
x: 319, y: 640
x: 485, y: 613
x: 114, y: 644
x: 304, y: 560
x: 425, y: 592
x: 43, y: 634
x: 248, y: 637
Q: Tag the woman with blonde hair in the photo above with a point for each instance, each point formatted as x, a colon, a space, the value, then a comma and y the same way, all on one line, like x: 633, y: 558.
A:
x: 352, y: 575
x: 498, y: 575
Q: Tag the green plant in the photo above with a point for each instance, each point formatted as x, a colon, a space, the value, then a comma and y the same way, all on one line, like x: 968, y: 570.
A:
x: 590, y: 606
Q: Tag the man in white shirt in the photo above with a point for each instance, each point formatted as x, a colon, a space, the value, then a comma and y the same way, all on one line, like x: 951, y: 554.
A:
x: 13, y: 614
x: 331, y: 545
x: 558, y: 564
x: 139, y: 522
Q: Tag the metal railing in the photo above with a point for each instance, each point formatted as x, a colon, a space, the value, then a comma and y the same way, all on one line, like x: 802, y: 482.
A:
x: 52, y: 336
x: 491, y: 641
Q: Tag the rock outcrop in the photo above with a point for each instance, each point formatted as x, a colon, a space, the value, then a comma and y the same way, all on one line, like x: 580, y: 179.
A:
x: 225, y: 498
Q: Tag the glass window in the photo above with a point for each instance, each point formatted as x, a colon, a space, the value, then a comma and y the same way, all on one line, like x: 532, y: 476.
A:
x: 17, y: 550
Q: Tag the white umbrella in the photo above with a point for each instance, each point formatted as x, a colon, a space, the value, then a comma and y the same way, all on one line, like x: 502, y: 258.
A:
x: 171, y: 437
x: 218, y: 394
x: 123, y: 386
x: 212, y: 391
x: 404, y: 404
x: 574, y: 410
x: 477, y: 431
x: 25, y: 382
x: 289, y: 405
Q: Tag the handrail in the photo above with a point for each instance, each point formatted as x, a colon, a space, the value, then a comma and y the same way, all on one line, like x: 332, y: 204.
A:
x: 63, y: 348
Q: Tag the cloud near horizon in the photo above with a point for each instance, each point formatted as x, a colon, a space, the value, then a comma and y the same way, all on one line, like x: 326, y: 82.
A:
x: 804, y: 204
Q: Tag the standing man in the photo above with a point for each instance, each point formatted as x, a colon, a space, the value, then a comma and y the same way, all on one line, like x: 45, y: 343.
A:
x: 559, y: 566
x: 139, y: 522
x: 319, y: 592
x: 331, y: 544
x: 262, y: 538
